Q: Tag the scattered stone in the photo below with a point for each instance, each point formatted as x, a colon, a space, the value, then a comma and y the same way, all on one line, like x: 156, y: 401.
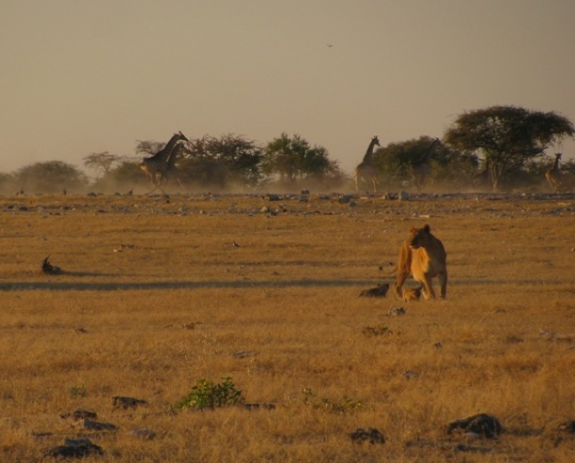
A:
x: 468, y: 448
x: 388, y: 264
x: 145, y: 433
x: 345, y: 199
x: 371, y: 435
x: 403, y: 196
x: 50, y: 269
x: 81, y: 330
x: 123, y: 246
x: 191, y: 325
x: 396, y: 311
x: 372, y: 331
x: 127, y: 402
x: 481, y: 425
x: 80, y: 415
x: 567, y: 426
x: 244, y: 354
x: 98, y: 426
x: 379, y: 291
x: 410, y: 374
x: 251, y: 407
x: 546, y: 334
x: 75, y: 448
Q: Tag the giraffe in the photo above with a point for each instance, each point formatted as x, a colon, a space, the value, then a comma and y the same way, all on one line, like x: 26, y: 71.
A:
x: 159, y: 166
x: 365, y: 170
x: 482, y: 179
x: 554, y: 176
x: 421, y: 168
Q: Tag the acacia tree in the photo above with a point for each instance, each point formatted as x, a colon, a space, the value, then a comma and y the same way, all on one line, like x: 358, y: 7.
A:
x: 101, y: 162
x: 220, y: 161
x: 294, y: 158
x: 6, y: 182
x: 394, y: 162
x: 147, y: 147
x: 50, y: 177
x: 507, y: 136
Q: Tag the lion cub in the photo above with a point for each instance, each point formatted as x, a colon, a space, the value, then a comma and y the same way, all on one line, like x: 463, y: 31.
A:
x: 411, y: 294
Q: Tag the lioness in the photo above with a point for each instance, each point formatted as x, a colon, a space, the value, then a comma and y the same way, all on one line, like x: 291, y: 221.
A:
x: 423, y: 257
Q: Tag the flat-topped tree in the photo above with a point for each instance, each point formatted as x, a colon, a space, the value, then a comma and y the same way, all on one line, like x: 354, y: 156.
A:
x: 421, y: 168
x: 507, y: 136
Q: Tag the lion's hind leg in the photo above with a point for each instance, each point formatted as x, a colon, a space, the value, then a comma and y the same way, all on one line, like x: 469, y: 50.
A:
x: 443, y: 284
x: 399, y: 281
x: 427, y: 288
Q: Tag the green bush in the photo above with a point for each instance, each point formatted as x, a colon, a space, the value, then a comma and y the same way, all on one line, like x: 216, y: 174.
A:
x: 207, y: 394
x: 78, y: 391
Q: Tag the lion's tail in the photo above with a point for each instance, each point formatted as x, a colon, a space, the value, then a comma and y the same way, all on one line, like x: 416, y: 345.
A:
x: 387, y: 274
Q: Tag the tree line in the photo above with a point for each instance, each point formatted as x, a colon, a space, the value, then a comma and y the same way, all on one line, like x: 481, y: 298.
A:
x: 497, y: 148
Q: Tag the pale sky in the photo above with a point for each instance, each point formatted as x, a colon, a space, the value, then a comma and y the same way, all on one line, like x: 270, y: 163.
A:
x: 84, y: 76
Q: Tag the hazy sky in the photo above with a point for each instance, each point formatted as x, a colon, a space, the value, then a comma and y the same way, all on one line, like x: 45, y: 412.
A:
x: 84, y: 76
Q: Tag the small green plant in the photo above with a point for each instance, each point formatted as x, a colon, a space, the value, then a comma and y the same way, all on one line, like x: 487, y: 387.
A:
x: 342, y: 406
x: 207, y: 394
x: 78, y: 391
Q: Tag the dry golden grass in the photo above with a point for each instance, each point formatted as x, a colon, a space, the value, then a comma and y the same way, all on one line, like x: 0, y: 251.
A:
x: 154, y: 296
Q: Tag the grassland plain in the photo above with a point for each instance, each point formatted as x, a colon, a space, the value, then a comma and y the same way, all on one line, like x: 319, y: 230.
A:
x: 154, y: 296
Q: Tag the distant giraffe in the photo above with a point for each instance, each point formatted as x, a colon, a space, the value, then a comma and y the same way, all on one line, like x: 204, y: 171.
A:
x: 482, y: 179
x: 554, y: 176
x: 421, y: 169
x: 365, y: 170
x: 159, y: 166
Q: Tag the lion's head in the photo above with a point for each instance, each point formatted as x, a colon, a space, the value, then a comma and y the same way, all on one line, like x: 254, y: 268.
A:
x: 419, y: 237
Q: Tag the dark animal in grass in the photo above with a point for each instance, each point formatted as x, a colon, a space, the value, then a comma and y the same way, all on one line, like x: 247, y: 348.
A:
x: 50, y: 269
x: 379, y: 291
x: 481, y: 425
